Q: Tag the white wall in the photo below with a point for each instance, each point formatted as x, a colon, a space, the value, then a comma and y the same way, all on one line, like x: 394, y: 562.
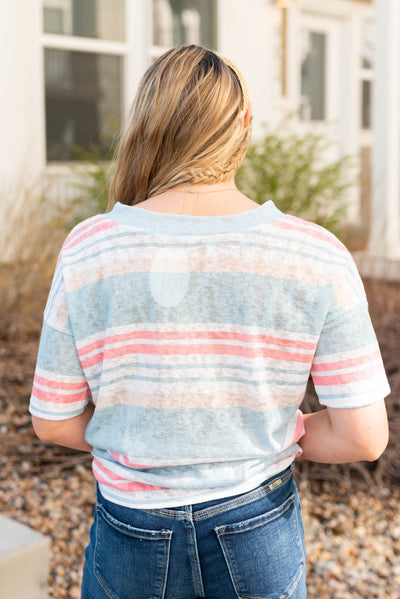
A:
x: 22, y: 147
x: 244, y: 34
x: 22, y: 143
x: 385, y: 234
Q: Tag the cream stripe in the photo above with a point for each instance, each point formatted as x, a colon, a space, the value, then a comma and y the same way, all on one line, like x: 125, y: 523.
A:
x: 274, y: 265
x: 176, y: 396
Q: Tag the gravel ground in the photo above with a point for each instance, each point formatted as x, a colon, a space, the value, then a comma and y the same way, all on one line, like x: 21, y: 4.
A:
x: 352, y: 541
x: 352, y: 536
x: 351, y: 513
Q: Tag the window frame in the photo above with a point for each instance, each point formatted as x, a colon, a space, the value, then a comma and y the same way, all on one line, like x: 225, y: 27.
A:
x: 155, y: 51
x: 73, y: 43
x: 368, y: 75
x: 328, y: 25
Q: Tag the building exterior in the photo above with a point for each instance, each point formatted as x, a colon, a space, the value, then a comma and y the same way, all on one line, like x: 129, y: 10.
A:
x: 71, y: 68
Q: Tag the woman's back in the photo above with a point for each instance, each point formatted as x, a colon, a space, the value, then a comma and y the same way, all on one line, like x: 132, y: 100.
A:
x: 196, y: 336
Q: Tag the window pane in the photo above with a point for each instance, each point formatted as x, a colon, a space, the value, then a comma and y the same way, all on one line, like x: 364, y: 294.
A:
x: 53, y: 20
x: 83, y: 101
x: 313, y: 76
x: 368, y: 45
x: 366, y: 109
x: 184, y: 22
x: 103, y: 19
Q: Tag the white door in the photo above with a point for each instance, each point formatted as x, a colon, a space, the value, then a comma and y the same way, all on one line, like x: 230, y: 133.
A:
x: 320, y: 78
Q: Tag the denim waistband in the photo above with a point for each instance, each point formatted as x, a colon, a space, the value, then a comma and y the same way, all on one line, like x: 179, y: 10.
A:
x: 206, y: 509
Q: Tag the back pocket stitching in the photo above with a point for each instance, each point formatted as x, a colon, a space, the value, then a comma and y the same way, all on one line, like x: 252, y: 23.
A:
x: 131, y: 530
x: 289, y: 502
x: 284, y: 507
x: 165, y: 537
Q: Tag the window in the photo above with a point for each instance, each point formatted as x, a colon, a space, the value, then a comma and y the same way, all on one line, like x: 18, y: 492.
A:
x: 102, y: 19
x: 83, y: 102
x: 313, y: 76
x: 367, y: 73
x: 183, y: 22
x: 83, y: 75
x: 366, y: 107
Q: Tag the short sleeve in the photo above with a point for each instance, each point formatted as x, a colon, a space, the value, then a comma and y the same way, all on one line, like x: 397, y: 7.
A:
x: 347, y: 369
x: 60, y: 389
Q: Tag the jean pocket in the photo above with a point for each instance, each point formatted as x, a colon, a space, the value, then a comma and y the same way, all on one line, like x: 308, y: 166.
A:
x: 265, y: 555
x: 129, y: 562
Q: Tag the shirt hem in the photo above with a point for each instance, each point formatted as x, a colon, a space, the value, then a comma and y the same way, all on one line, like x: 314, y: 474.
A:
x: 189, y: 498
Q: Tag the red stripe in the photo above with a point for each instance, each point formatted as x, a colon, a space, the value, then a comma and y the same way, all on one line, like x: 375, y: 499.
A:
x: 343, y: 379
x: 101, y: 227
x: 298, y: 433
x: 345, y: 363
x: 172, y: 335
x: 82, y: 228
x: 126, y: 486
x: 58, y: 385
x: 57, y: 398
x: 206, y: 349
x: 292, y: 223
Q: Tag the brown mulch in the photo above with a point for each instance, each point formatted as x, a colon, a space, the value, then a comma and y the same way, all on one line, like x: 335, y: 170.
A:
x: 351, y: 512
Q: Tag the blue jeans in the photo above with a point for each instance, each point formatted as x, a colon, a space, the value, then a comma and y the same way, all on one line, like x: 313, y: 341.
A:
x: 247, y: 546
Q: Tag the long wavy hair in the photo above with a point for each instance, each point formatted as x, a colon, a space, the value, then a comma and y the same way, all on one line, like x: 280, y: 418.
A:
x: 187, y: 125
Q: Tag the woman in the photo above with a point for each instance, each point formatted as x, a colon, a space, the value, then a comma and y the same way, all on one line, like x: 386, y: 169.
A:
x: 178, y: 338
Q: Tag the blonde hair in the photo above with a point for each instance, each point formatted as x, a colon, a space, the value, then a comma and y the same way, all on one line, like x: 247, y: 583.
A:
x: 187, y: 125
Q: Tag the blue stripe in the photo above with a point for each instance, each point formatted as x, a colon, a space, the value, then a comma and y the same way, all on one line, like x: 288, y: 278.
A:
x: 303, y: 309
x: 177, y: 366
x: 196, y: 379
x: 192, y: 433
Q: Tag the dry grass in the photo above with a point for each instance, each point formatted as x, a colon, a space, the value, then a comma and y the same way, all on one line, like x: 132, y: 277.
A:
x: 29, y: 245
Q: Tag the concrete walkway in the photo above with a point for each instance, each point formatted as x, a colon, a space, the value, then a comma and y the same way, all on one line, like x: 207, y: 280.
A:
x: 24, y: 561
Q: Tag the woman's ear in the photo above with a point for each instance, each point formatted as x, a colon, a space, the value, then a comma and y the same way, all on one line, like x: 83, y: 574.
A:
x: 247, y: 116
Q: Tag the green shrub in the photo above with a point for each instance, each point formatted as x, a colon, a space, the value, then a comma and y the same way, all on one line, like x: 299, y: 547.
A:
x: 288, y: 168
x: 292, y: 170
x: 93, y: 184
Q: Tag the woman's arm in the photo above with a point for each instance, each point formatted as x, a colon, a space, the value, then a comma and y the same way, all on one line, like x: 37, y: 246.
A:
x: 336, y: 436
x: 69, y: 433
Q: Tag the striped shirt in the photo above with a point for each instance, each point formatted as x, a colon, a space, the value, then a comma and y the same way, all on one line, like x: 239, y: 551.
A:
x: 195, y: 338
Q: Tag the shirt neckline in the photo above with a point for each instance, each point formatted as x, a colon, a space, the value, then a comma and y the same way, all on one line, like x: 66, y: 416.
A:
x: 182, y: 224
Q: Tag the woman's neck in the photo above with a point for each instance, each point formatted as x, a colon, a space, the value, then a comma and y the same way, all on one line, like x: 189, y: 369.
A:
x: 218, y: 199
x: 215, y: 199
